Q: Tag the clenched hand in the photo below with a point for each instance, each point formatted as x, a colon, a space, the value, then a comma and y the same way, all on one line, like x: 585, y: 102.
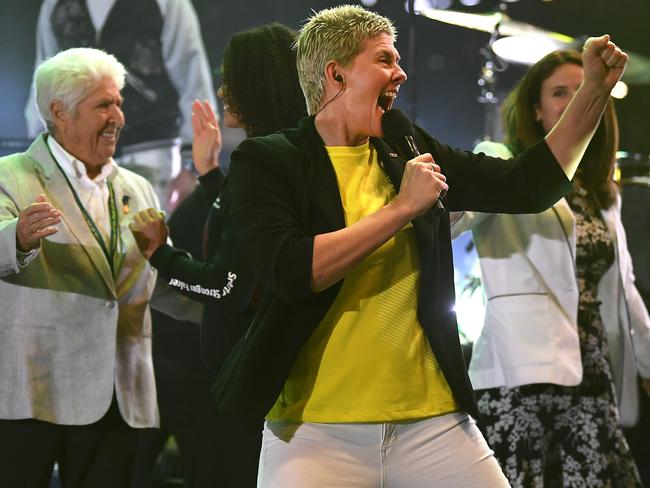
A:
x: 149, y: 230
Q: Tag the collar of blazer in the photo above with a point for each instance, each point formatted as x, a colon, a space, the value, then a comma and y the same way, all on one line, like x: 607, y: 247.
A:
x: 39, y: 154
x: 59, y: 194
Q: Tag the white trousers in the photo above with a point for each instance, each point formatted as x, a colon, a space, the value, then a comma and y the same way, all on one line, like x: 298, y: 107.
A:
x: 444, y: 451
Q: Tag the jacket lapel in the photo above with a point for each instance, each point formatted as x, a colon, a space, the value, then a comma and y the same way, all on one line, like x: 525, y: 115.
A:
x: 393, y: 165
x: 325, y: 193
x: 562, y: 287
x: 426, y: 230
x: 390, y: 161
x: 567, y: 221
x: 60, y: 195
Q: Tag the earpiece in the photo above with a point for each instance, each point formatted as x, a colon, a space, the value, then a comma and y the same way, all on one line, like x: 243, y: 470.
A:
x: 337, y: 77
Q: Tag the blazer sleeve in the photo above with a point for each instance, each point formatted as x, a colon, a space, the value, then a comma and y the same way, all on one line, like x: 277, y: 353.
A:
x: 263, y: 191
x: 464, y: 221
x: 638, y: 313
x: 186, y: 61
x: 11, y: 260
x: 640, y: 324
x: 529, y: 183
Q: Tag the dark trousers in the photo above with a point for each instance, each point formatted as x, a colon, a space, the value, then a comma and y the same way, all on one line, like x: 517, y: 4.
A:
x: 98, y: 455
x: 215, y: 452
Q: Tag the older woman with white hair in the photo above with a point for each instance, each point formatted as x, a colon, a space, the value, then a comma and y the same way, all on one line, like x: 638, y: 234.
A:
x: 76, y: 377
x: 354, y: 355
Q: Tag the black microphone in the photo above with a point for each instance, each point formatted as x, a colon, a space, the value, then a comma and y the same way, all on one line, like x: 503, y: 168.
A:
x: 398, y: 130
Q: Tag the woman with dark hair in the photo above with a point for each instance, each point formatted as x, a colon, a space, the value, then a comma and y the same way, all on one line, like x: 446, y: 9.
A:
x: 261, y: 94
x: 555, y: 364
x: 260, y: 81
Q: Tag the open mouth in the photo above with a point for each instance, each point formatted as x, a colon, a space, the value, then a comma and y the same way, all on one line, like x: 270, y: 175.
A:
x: 112, y: 137
x: 110, y: 134
x: 385, y: 100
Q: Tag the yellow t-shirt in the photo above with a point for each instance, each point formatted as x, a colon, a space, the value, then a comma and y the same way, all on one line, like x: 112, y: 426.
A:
x: 368, y: 360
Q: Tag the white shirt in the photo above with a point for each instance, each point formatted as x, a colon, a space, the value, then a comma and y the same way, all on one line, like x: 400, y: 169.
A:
x: 93, y: 194
x: 98, y: 11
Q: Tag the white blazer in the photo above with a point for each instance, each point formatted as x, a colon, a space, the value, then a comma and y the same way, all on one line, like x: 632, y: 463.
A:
x: 73, y: 333
x: 529, y: 278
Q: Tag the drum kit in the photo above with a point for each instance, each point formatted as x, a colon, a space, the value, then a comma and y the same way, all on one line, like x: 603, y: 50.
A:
x: 516, y: 42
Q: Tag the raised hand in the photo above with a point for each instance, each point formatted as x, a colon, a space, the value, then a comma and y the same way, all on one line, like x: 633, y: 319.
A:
x: 603, y: 61
x: 36, y: 221
x: 206, y: 144
x: 150, y: 231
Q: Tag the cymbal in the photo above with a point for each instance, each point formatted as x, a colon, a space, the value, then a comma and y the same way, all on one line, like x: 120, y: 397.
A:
x: 525, y: 43
x: 488, y: 23
x: 530, y: 48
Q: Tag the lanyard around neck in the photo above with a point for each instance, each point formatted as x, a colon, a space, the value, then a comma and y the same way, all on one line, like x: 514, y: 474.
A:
x: 111, y: 250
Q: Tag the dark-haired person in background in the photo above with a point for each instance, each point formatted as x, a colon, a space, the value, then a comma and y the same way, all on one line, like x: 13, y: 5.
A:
x: 260, y: 94
x: 354, y: 355
x: 565, y: 328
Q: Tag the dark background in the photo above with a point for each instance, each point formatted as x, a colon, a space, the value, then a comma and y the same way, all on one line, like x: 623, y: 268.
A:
x: 442, y: 91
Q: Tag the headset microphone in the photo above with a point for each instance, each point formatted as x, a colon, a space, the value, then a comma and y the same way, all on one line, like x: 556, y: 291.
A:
x: 340, y: 79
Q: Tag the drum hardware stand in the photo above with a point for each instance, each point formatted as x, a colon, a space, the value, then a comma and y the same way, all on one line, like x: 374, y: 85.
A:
x: 487, y: 81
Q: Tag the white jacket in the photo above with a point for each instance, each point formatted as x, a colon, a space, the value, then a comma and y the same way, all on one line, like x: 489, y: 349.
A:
x: 529, y: 278
x: 73, y: 333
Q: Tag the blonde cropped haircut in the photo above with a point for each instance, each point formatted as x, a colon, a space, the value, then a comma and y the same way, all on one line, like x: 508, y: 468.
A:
x: 334, y: 34
x: 70, y: 76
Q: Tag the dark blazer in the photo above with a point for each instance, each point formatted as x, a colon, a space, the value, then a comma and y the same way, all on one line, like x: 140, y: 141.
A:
x: 283, y: 191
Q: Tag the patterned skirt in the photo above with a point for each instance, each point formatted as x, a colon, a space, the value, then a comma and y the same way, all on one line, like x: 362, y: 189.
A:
x: 547, y: 435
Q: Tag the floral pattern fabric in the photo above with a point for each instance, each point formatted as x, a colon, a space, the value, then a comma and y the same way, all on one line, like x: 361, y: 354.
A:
x: 547, y: 435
